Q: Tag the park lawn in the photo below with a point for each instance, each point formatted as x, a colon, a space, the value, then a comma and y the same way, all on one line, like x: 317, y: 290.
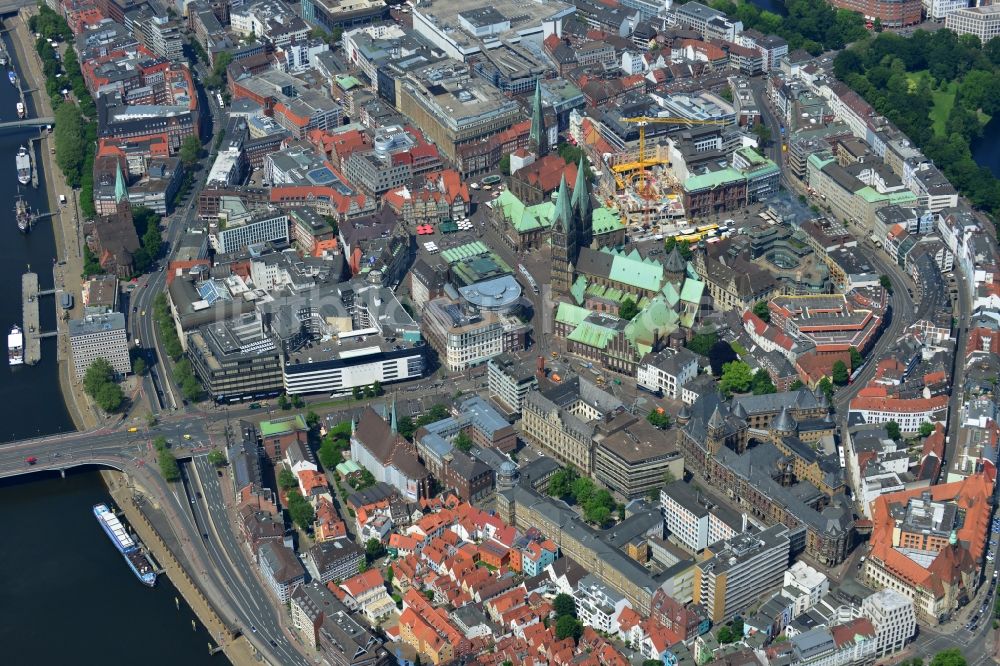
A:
x: 943, y: 100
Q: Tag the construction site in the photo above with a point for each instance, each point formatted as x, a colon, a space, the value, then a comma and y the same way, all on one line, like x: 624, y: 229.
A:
x: 642, y: 185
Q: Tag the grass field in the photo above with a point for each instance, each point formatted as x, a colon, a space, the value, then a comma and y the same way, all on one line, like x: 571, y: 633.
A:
x: 943, y: 99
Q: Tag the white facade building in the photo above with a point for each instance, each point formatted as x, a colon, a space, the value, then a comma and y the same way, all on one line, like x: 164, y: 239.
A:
x: 269, y: 227
x: 694, y: 520
x: 804, y: 587
x: 983, y: 22
x: 599, y: 606
x: 667, y: 371
x: 99, y: 336
x: 894, y: 619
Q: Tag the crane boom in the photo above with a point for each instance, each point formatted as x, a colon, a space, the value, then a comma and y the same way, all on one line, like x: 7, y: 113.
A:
x: 642, y: 121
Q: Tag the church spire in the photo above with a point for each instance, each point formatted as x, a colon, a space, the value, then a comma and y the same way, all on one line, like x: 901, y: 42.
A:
x: 121, y: 190
x: 392, y: 416
x: 581, y: 202
x: 564, y: 208
x: 537, y: 135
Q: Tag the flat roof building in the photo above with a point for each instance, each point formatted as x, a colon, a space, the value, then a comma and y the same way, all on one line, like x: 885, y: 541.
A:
x: 99, y: 336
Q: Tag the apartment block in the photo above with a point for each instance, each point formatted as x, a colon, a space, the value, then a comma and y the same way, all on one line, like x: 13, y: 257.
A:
x: 695, y: 520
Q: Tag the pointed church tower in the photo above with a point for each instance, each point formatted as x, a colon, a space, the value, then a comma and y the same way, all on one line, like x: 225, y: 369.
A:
x: 121, y: 191
x: 537, y: 135
x: 582, y: 208
x: 392, y: 416
x: 564, y: 241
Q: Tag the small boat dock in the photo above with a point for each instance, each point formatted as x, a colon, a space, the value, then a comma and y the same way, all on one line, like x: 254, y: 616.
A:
x: 30, y: 294
x: 29, y: 309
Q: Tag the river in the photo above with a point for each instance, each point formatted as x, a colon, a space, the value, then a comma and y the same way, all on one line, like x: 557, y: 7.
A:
x: 68, y: 596
x: 984, y: 150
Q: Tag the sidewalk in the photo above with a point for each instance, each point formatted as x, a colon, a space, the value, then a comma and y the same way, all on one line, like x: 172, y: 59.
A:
x: 65, y: 226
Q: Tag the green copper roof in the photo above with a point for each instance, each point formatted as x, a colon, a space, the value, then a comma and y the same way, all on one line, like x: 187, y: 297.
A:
x: 567, y: 313
x: 581, y: 191
x: 121, y: 191
x: 605, y: 221
x: 592, y: 335
x: 283, y: 426
x: 657, y: 318
x: 564, y: 210
x: 670, y: 294
x: 872, y: 195
x: 818, y: 161
x: 473, y: 249
x: 579, y: 289
x: 347, y: 82
x: 708, y: 181
x: 692, y: 290
x: 632, y: 270
x: 525, y: 218
x: 537, y: 132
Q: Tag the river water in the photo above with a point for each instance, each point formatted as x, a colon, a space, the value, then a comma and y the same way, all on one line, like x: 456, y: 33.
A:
x: 986, y: 151
x: 68, y: 595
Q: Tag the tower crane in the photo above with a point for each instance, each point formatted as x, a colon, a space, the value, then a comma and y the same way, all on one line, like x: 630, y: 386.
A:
x: 642, y: 162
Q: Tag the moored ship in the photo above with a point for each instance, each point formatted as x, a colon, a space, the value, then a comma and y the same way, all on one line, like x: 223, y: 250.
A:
x: 22, y: 212
x: 125, y: 544
x: 23, y: 161
x: 12, y: 77
x: 15, y: 346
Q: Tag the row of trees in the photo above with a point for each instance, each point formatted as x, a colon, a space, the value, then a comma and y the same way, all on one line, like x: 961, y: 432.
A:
x: 169, y: 468
x: 738, y: 377
x: 809, y: 25
x: 567, y: 623
x: 184, y: 373
x: 99, y: 383
x: 597, y: 504
x: 147, y: 228
x: 898, y: 75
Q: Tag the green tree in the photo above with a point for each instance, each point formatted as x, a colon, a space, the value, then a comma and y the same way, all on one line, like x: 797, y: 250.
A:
x: 297, y: 401
x: 628, y: 309
x: 597, y: 514
x: 217, y: 458
x: 856, y: 359
x: 70, y: 143
x: 505, y: 165
x: 761, y: 309
x: 725, y: 635
x: 283, y: 402
x: 355, y: 392
x: 702, y: 343
x: 300, y: 511
x: 658, y: 419
x: 886, y: 283
x: 564, y: 604
x: 405, y: 427
x: 561, y: 483
x: 761, y: 383
x: 99, y: 384
x: 840, y: 374
x: 463, y: 442
x: 926, y: 428
x: 569, y: 627
x: 763, y: 134
x: 736, y: 378
x: 684, y: 247
x: 389, y: 574
x: 286, y: 479
x: 169, y: 468
x: 892, y: 429
x: 312, y: 419
x: 190, y: 151
x: 826, y: 387
x: 151, y: 420
x: 374, y: 549
x: 583, y: 489
x: 949, y: 657
x: 139, y: 366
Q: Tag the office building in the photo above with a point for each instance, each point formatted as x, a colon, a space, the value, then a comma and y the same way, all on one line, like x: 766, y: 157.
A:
x: 466, y: 336
x: 280, y: 568
x: 99, y: 336
x: 895, y: 622
x: 334, y: 560
x: 235, y: 359
x: 694, y: 520
x: 238, y: 229
x: 510, y: 380
x: 983, y: 22
x: 740, y: 570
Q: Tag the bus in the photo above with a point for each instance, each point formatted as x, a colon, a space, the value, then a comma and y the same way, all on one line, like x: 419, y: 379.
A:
x: 708, y: 227
x: 690, y: 238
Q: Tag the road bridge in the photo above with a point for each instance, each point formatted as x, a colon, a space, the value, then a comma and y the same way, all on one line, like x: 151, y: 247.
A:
x: 12, y: 6
x: 27, y: 122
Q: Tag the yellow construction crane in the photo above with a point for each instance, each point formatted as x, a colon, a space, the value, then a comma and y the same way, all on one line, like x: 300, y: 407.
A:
x: 642, y: 162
